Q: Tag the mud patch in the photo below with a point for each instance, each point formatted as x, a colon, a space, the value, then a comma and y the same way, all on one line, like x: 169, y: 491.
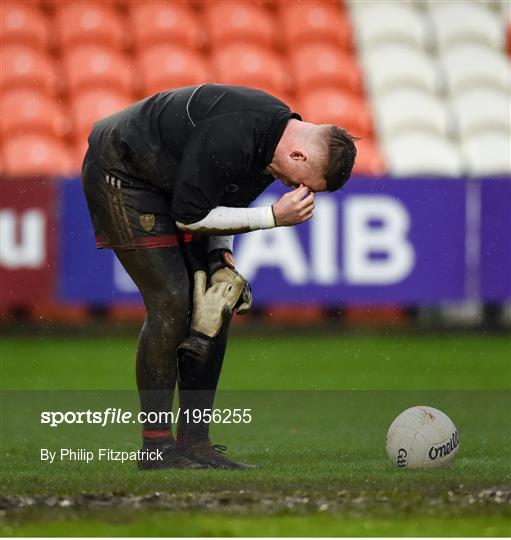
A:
x: 269, y: 503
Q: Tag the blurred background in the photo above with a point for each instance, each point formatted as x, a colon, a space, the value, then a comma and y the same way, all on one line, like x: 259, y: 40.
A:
x: 420, y: 238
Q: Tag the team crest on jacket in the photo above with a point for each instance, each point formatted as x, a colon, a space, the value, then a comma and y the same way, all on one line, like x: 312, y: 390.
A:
x: 147, y: 221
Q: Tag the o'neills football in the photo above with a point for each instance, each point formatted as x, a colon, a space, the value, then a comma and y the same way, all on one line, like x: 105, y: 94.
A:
x: 422, y: 438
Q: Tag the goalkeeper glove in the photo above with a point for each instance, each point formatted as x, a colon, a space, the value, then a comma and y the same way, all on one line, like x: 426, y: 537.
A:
x: 221, y: 269
x: 211, y: 308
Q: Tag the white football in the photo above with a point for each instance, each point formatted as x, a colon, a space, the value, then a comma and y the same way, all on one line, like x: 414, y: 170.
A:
x: 422, y: 438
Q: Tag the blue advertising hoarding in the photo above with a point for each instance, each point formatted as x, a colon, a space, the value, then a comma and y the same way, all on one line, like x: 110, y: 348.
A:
x: 375, y: 242
x: 495, y: 240
x: 86, y: 274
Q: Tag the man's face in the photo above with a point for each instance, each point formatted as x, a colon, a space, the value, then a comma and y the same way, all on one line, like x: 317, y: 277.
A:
x: 314, y: 185
x: 298, y: 171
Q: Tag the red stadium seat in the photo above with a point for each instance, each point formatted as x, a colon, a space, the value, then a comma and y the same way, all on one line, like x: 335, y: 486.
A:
x: 78, y: 151
x: 88, y: 23
x: 306, y: 22
x: 323, y: 66
x: 22, y: 66
x: 330, y: 106
x: 177, y: 67
x: 247, y: 65
x: 277, y: 4
x: 27, y: 111
x: 163, y: 23
x: 35, y: 155
x: 369, y: 160
x: 230, y: 22
x: 91, y: 105
x: 91, y: 66
x: 22, y: 24
x: 55, y: 5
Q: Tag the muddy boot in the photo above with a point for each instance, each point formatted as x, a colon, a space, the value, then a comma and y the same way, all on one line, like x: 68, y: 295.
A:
x: 165, y: 457
x: 213, y: 456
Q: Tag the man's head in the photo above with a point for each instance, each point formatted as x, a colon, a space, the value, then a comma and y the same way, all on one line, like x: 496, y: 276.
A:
x: 318, y: 156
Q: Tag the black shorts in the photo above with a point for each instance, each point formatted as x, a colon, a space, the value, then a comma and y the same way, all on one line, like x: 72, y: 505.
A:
x: 127, y: 213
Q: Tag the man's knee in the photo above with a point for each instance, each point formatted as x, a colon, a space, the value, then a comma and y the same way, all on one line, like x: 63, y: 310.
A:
x: 171, y: 301
x: 161, y: 277
x: 167, y: 316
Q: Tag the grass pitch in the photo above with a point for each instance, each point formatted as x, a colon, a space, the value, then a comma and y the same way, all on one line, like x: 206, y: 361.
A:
x: 321, y: 407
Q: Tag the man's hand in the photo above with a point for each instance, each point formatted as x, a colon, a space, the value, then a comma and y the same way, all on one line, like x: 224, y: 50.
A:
x: 294, y: 207
x: 221, y: 270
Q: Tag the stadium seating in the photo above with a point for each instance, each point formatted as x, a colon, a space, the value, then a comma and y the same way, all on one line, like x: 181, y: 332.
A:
x: 482, y: 109
x: 488, y: 153
x: 78, y: 151
x: 90, y: 105
x: 435, y: 72
x: 80, y: 23
x: 356, y: 7
x: 55, y: 5
x: 314, y: 22
x: 330, y: 106
x: 409, y: 85
x: 472, y: 65
x: 420, y: 153
x: 327, y: 66
x: 163, y: 23
x: 93, y: 66
x: 393, y: 66
x: 387, y: 23
x: 467, y: 22
x: 369, y: 159
x: 27, y: 110
x: 408, y: 108
x: 250, y: 65
x: 231, y: 23
x: 24, y: 67
x: 177, y: 66
x: 22, y: 24
x: 35, y: 155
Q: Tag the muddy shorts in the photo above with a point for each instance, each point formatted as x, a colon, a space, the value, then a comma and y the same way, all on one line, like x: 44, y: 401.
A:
x: 127, y: 213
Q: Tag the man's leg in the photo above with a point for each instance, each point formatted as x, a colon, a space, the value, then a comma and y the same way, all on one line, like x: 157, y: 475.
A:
x: 120, y: 208
x: 198, y: 381
x: 162, y: 278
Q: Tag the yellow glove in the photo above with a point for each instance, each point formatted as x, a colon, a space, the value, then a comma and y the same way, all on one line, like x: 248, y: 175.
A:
x: 221, y: 270
x: 214, y: 305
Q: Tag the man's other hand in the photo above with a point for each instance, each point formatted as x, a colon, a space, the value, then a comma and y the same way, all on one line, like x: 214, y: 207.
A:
x: 294, y: 207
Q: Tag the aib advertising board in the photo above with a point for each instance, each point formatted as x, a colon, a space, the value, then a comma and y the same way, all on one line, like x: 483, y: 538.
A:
x: 376, y: 241
x: 415, y: 241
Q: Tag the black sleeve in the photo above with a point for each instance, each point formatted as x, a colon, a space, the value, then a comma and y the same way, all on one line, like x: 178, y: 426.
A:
x: 212, y: 158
